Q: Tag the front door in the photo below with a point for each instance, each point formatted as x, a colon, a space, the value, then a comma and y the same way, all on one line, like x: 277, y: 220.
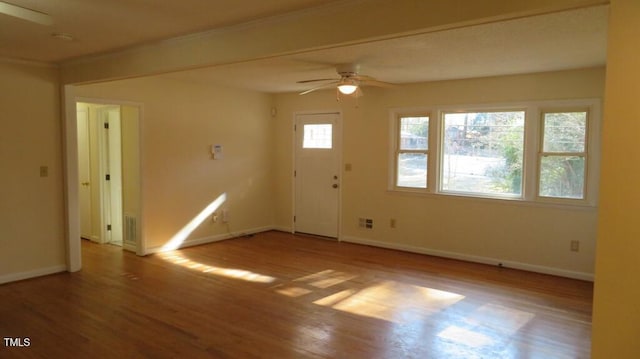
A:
x: 317, y: 174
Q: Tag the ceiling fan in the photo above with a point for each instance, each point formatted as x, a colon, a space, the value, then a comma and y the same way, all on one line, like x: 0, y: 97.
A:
x: 25, y: 14
x: 349, y: 82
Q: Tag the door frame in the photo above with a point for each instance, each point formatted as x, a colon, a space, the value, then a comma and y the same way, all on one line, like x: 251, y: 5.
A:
x: 339, y: 139
x: 72, y: 198
x: 106, y: 160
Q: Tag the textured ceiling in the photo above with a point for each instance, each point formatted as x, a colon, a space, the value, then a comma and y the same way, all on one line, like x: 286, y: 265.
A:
x: 557, y: 41
x: 100, y: 26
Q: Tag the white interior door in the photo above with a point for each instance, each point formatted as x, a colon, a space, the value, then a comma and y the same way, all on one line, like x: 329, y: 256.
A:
x: 317, y: 174
x: 114, y: 165
x: 84, y: 173
x: 110, y: 173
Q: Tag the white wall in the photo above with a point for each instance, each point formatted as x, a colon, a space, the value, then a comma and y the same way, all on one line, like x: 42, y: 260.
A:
x: 180, y: 121
x: 31, y: 207
x: 531, y: 237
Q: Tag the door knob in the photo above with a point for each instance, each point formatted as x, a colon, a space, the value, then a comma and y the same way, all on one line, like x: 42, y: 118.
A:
x: 85, y: 183
x: 335, y: 185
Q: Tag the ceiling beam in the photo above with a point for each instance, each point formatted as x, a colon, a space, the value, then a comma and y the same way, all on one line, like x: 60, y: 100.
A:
x: 348, y: 23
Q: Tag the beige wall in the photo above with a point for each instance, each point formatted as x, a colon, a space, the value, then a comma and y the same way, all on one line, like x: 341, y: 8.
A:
x: 531, y: 237
x: 616, y: 321
x: 31, y: 207
x: 180, y: 121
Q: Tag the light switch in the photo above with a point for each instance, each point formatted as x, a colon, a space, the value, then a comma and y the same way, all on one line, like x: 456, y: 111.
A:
x: 216, y: 151
x: 44, y: 171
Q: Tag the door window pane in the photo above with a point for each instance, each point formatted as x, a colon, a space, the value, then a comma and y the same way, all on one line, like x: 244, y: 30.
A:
x: 317, y: 136
x: 482, y: 153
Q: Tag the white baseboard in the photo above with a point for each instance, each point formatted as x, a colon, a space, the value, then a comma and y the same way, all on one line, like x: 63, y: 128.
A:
x: 128, y: 246
x: 471, y: 258
x: 12, y: 277
x: 282, y: 229
x: 211, y: 239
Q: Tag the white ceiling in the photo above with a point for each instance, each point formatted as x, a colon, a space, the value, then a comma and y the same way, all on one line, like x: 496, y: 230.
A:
x: 559, y: 41
x: 100, y: 26
x: 556, y: 41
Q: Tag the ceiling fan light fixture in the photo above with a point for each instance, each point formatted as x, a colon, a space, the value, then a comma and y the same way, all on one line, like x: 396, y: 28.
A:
x: 347, y: 87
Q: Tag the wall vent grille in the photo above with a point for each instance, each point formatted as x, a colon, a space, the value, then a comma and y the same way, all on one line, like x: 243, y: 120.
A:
x: 130, y: 228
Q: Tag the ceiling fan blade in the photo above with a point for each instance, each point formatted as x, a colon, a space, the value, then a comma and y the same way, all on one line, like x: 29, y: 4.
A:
x: 25, y: 14
x: 315, y: 80
x: 377, y: 83
x: 362, y: 78
x: 331, y: 84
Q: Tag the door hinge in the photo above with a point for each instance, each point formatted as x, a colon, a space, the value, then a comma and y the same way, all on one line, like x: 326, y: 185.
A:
x: 294, y: 219
x: 108, y: 227
x: 107, y: 177
x: 295, y: 173
x: 295, y: 127
x: 106, y: 125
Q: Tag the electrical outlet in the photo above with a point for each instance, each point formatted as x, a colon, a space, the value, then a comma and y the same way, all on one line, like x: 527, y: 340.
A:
x: 392, y: 223
x: 365, y: 223
x: 214, y: 217
x: 575, y: 246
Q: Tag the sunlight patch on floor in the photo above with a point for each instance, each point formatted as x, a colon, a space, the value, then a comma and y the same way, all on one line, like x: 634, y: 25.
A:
x: 392, y: 301
x: 489, y: 325
x: 291, y: 291
x: 466, y: 336
x: 387, y: 300
x: 240, y: 274
x: 326, y: 279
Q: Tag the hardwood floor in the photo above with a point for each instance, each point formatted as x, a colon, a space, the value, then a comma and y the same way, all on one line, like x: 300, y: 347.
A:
x: 277, y: 295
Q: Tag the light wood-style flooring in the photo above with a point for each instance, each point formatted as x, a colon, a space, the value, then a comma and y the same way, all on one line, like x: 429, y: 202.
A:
x: 278, y: 295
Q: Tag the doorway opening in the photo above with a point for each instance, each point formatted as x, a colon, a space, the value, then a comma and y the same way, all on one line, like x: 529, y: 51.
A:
x: 108, y: 173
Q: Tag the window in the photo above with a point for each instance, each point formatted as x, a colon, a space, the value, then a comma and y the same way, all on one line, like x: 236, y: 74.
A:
x: 482, y: 153
x: 536, y: 152
x: 317, y: 136
x: 412, y: 154
x: 563, y: 155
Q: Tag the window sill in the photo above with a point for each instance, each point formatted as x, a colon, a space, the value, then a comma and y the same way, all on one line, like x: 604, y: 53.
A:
x: 577, y: 205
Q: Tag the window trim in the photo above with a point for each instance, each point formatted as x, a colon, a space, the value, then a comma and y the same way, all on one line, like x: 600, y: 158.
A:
x: 534, y: 111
